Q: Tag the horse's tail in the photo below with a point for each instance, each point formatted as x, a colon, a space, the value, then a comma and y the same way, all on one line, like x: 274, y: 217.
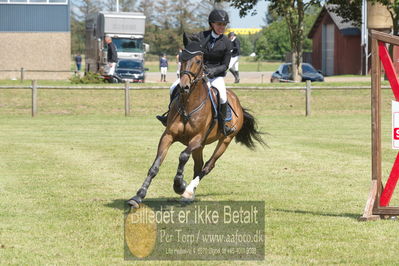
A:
x: 249, y: 132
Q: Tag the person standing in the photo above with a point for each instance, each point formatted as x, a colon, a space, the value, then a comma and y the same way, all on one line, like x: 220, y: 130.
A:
x: 78, y: 61
x: 163, y: 65
x: 235, y: 55
x: 112, y: 55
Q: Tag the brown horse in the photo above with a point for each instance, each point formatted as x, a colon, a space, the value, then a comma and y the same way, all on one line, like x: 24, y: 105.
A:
x: 191, y: 122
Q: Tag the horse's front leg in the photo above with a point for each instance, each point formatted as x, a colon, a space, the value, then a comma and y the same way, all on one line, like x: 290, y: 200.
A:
x: 179, y: 185
x: 163, y: 146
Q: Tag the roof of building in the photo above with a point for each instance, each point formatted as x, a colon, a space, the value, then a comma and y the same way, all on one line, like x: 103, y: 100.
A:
x: 346, y: 28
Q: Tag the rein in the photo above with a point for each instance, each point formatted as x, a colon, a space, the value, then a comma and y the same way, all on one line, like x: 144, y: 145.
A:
x: 194, y: 78
x: 181, y: 107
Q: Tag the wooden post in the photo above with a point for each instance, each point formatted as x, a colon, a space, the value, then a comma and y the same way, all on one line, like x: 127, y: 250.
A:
x: 127, y: 99
x: 22, y: 74
x: 308, y: 93
x: 34, y: 98
x: 376, y: 118
x: 376, y: 185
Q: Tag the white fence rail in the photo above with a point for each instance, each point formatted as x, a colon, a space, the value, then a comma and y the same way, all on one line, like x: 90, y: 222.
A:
x: 127, y: 87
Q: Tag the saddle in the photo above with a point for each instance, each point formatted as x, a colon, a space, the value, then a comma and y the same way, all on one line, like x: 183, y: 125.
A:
x: 214, y: 96
x: 215, y: 100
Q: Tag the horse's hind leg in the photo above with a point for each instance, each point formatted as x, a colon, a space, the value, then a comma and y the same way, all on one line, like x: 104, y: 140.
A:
x: 189, y: 193
x: 198, y: 164
x: 163, y: 146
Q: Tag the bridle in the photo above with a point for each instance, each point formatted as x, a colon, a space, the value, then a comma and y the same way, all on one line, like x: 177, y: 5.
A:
x: 194, y: 77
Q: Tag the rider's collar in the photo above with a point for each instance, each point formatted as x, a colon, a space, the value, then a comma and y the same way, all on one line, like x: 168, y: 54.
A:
x: 214, y: 35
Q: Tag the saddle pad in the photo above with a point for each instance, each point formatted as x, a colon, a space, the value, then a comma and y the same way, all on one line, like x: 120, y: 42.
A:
x: 215, y: 100
x: 214, y: 96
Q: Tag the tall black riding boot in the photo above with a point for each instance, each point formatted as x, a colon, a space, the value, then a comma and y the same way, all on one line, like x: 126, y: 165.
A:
x: 164, y: 118
x: 224, y: 118
x: 233, y: 73
x: 237, y: 77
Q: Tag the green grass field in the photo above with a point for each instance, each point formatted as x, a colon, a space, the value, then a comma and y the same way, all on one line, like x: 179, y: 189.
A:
x: 65, y: 174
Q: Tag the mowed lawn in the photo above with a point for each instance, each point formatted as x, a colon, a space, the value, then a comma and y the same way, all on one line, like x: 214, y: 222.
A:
x: 65, y: 175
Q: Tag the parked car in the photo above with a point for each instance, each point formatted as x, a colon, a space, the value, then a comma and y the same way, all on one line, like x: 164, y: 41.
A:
x: 130, y: 70
x: 284, y: 73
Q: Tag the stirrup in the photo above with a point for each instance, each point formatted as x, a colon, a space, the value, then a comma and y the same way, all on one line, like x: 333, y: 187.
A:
x: 228, y: 130
x: 163, y: 118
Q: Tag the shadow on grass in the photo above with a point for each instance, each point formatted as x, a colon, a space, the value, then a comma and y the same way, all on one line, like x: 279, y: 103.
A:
x: 354, y: 216
x: 121, y: 204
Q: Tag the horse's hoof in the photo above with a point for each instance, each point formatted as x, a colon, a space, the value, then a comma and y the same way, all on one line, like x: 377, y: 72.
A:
x: 134, y: 202
x: 188, y: 196
x: 180, y: 188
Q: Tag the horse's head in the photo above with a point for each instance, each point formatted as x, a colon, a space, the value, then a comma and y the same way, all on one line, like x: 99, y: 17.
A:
x: 192, y: 67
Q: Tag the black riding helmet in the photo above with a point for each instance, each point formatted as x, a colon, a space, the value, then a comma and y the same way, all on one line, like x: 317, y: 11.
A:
x: 218, y: 15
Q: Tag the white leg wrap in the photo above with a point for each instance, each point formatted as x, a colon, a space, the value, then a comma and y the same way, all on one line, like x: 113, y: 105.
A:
x: 193, y: 184
x: 189, y: 193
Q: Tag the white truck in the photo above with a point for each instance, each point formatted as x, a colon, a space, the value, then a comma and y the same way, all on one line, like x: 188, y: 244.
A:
x: 127, y: 31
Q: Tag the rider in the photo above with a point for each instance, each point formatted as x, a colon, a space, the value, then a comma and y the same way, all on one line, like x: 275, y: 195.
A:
x: 217, y: 53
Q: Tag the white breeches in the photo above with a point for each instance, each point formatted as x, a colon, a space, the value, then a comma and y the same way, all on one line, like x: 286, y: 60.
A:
x: 217, y: 83
x: 164, y: 70
x: 111, y: 70
x: 234, y: 63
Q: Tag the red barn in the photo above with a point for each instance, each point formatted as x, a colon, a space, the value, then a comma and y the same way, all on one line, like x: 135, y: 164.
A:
x: 336, y: 45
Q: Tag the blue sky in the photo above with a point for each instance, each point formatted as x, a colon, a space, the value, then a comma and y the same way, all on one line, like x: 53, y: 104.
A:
x: 248, y: 21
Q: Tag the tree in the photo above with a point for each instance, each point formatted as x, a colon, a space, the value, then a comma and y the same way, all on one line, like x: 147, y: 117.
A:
x: 293, y: 12
x: 124, y: 5
x: 348, y: 10
x: 167, y: 20
x: 247, y: 44
x: 87, y: 7
x: 294, y: 15
x: 79, y: 12
x: 274, y: 42
x: 271, y: 16
x: 77, y: 36
x: 351, y: 11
